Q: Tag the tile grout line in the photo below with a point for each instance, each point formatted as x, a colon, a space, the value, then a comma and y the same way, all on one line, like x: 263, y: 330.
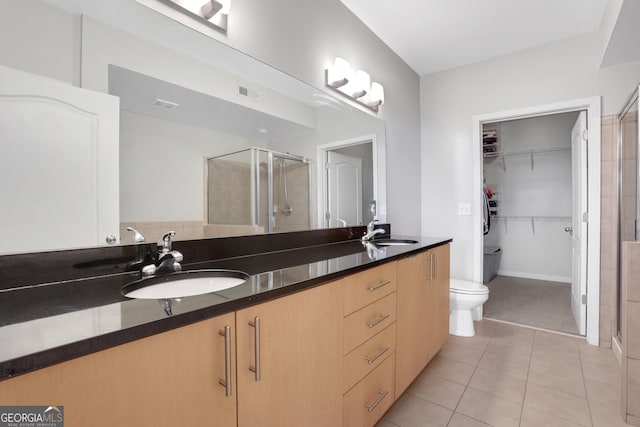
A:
x: 469, y: 382
x: 584, y: 383
x: 526, y: 380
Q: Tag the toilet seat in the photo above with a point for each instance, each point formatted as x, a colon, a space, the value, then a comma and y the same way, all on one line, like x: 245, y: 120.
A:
x: 464, y: 287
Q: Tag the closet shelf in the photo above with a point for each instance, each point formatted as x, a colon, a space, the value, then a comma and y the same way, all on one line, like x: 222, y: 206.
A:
x: 532, y: 219
x: 535, y: 218
x: 504, y: 154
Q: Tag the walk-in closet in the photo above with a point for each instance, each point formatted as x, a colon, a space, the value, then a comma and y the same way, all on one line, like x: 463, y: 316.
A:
x: 529, y: 194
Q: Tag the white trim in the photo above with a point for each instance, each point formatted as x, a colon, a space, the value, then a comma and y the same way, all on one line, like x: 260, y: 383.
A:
x: 593, y: 107
x: 525, y: 275
x: 321, y: 171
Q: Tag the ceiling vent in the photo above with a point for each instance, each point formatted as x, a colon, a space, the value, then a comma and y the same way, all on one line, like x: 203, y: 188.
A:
x: 163, y: 104
x: 246, y: 92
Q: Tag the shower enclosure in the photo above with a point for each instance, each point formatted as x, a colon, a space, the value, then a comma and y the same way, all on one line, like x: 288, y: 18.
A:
x: 257, y: 191
x: 628, y: 178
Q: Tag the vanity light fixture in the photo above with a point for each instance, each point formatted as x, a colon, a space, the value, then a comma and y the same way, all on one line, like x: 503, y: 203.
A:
x: 212, y: 12
x: 338, y: 75
x: 356, y: 86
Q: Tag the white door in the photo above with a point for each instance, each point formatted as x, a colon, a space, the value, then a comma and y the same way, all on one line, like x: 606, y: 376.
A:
x: 579, y: 225
x: 59, y: 164
x: 344, y: 190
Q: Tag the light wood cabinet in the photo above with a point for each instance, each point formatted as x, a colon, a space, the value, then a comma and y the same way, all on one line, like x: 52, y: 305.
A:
x: 367, y: 402
x: 411, y: 324
x: 423, y: 312
x: 335, y: 355
x: 168, y: 379
x: 299, y: 360
x: 438, y: 301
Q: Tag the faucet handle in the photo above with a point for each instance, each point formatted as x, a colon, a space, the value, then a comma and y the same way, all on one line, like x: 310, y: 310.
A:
x: 164, y: 244
x: 371, y: 225
x: 137, y: 237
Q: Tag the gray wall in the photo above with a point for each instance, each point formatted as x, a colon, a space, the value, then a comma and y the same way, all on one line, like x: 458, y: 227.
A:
x: 302, y: 37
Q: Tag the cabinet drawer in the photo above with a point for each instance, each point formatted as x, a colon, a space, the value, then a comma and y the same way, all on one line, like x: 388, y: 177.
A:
x: 364, y: 288
x: 368, y: 321
x: 367, y: 402
x: 368, y: 356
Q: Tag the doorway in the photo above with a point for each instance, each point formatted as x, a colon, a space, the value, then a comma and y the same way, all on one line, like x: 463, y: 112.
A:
x: 528, y: 176
x: 346, y: 183
x: 537, y: 206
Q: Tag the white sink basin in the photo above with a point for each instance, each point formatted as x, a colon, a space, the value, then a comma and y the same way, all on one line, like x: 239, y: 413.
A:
x: 184, y: 284
x: 393, y: 242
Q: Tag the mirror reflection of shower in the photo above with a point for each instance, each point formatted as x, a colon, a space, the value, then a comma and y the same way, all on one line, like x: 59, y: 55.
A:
x: 286, y: 209
x: 257, y: 191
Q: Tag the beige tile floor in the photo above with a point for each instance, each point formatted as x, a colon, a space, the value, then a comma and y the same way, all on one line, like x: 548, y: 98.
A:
x: 510, y: 375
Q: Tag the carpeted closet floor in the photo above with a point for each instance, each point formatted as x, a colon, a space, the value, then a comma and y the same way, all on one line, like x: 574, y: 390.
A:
x: 537, y: 303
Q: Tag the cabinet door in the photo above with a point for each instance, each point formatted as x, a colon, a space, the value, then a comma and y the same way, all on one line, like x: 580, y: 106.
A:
x: 412, y: 331
x: 168, y: 379
x: 438, y: 300
x: 289, y: 355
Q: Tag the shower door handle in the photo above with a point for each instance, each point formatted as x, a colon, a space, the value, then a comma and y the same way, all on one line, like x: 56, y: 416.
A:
x: 569, y: 230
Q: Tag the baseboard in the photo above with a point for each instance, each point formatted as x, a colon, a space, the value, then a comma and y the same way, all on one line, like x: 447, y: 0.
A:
x: 549, y: 278
x: 617, y: 349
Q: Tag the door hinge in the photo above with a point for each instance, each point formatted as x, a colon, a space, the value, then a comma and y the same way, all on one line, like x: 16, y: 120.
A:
x: 585, y: 135
x: 327, y: 216
x: 584, y: 299
x: 585, y: 217
x: 327, y: 166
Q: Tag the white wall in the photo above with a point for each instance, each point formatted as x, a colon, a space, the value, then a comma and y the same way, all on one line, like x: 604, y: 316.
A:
x: 548, y: 74
x: 40, y: 39
x: 541, y: 251
x: 161, y: 167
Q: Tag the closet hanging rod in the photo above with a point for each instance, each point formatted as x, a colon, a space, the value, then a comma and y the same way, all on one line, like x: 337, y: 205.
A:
x: 526, y: 152
x: 534, y: 218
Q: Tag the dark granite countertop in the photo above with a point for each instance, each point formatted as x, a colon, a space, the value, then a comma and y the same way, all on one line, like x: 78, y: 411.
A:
x: 41, y: 325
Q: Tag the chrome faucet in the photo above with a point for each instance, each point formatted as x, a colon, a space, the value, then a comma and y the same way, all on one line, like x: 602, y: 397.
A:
x: 372, y: 231
x: 167, y: 259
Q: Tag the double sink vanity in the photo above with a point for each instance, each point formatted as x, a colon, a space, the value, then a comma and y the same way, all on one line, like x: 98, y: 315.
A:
x: 325, y: 331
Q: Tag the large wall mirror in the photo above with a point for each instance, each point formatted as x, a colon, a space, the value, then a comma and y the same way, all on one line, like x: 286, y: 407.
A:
x: 210, y: 142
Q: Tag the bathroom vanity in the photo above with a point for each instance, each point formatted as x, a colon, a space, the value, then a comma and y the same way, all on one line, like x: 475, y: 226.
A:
x: 333, y: 340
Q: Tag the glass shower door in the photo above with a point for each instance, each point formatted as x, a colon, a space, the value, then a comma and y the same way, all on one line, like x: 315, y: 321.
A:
x: 628, y: 201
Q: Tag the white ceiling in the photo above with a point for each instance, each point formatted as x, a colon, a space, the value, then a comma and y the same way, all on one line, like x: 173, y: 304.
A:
x: 436, y: 35
x: 137, y: 92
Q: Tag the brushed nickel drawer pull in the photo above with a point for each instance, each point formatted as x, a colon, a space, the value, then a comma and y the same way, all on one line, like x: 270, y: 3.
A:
x: 378, y: 286
x: 381, y: 395
x: 381, y: 350
x: 435, y: 265
x: 226, y: 382
x: 378, y: 320
x: 431, y: 267
x: 256, y: 336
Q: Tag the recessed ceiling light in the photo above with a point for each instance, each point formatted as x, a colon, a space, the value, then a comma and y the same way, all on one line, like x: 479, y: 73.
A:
x: 262, y: 130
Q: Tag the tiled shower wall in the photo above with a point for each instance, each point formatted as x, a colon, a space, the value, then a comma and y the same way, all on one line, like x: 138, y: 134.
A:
x: 631, y: 332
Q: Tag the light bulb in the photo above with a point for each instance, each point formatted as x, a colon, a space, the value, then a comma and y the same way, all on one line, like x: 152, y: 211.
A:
x: 338, y: 74
x: 362, y: 84
x: 376, y: 97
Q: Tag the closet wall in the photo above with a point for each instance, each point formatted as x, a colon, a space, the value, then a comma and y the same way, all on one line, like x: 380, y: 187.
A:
x: 532, y: 186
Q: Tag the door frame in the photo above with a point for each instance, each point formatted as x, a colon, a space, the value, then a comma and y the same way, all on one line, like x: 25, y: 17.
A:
x: 593, y: 107
x: 321, y: 171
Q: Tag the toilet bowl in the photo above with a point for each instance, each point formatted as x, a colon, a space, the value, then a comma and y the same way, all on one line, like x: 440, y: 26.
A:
x: 465, y: 298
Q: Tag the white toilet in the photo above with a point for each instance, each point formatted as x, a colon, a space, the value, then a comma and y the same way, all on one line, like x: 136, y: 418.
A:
x: 465, y: 305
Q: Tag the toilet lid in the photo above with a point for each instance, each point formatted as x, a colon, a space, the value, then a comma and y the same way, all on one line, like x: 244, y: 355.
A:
x: 457, y: 286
